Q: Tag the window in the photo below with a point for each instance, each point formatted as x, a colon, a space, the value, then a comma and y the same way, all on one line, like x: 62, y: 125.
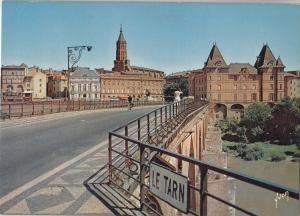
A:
x: 235, y: 87
x: 280, y: 86
x: 28, y: 84
x: 40, y: 85
x: 253, y: 87
x: 271, y: 86
x: 271, y: 78
x: 79, y: 88
x: 84, y: 95
x: 235, y: 78
x: 96, y: 87
x: 72, y: 87
x: 271, y: 97
x: 84, y: 87
x: 219, y: 87
x: 235, y: 97
x: 96, y: 95
x: 40, y: 80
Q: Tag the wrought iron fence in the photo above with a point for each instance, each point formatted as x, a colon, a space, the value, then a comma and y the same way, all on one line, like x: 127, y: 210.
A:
x: 137, y: 143
x: 20, y: 109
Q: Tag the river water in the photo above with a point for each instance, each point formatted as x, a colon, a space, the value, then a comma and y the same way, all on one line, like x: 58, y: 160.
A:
x: 262, y: 201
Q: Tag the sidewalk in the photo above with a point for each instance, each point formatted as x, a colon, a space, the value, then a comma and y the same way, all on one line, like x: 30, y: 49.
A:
x: 62, y: 193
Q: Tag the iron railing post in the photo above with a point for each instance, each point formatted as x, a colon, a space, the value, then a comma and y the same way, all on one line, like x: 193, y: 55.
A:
x: 9, y: 110
x: 148, y: 126
x: 160, y: 110
x: 142, y: 175
x: 59, y: 105
x: 43, y: 111
x: 155, y: 119
x: 126, y: 141
x: 51, y: 109
x: 32, y: 108
x: 166, y: 113
x: 173, y: 106
x: 109, y: 158
x: 203, y: 189
x: 22, y: 109
x: 139, y: 129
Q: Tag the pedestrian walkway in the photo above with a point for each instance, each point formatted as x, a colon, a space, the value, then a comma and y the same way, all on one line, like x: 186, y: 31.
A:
x: 63, y: 193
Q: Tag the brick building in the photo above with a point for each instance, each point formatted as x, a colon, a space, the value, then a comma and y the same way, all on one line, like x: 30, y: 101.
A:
x: 57, y: 84
x: 12, y: 82
x: 233, y: 87
x: 292, y: 84
x: 177, y: 77
x: 125, y: 79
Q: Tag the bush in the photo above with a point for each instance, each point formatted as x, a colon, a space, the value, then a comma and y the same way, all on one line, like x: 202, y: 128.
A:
x: 277, y: 156
x: 249, y: 153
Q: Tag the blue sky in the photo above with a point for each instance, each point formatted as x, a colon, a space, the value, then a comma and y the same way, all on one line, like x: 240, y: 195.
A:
x: 165, y: 36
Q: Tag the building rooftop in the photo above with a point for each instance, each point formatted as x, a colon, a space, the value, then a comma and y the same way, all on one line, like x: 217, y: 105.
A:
x: 84, y: 72
x: 236, y: 68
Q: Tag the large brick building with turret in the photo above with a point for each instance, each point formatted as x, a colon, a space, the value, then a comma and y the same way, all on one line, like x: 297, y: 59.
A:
x: 233, y: 87
x: 125, y: 79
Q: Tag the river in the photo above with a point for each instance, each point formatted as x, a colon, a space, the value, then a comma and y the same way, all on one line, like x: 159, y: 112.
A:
x: 261, y: 201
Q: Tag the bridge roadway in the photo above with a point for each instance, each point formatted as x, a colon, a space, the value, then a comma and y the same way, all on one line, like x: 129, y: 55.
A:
x: 27, y: 151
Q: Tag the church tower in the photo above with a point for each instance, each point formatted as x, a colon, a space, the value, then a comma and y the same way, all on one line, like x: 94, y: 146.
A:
x: 121, y: 63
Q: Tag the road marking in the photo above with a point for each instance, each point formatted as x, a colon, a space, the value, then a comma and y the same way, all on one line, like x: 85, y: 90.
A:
x: 46, y: 175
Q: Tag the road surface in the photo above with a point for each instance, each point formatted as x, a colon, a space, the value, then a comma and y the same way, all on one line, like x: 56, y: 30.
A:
x: 28, y: 151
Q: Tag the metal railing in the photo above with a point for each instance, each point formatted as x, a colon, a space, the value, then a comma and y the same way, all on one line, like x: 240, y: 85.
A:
x: 20, y: 109
x: 136, y: 144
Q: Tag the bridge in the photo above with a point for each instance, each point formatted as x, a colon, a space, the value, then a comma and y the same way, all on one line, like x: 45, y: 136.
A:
x: 181, y: 139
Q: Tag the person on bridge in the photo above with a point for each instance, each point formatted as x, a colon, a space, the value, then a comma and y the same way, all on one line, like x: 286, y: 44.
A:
x: 177, y: 95
x: 130, y: 104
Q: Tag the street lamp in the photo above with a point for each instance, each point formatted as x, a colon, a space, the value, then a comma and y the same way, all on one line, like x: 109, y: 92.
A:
x: 74, y: 55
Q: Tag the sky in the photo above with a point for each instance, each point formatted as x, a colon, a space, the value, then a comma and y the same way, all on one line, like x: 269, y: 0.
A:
x: 165, y: 36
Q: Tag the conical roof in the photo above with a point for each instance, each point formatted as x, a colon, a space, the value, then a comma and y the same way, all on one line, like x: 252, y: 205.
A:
x: 215, y: 58
x: 265, y: 57
x: 279, y: 62
x: 121, y: 36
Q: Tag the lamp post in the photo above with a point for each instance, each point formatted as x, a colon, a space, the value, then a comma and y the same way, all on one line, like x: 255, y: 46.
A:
x: 74, y: 55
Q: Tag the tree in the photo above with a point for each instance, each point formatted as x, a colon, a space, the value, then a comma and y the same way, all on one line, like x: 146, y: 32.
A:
x: 286, y: 118
x: 184, y: 86
x: 169, y: 91
x: 255, y: 118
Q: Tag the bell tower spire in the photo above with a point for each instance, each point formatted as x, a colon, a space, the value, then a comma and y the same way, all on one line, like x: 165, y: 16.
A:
x: 121, y: 63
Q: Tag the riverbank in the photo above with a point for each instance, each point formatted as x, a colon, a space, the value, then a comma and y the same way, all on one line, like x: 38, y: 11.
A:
x: 262, y: 151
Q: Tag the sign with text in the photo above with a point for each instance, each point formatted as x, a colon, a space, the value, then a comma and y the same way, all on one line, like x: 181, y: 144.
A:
x: 169, y: 186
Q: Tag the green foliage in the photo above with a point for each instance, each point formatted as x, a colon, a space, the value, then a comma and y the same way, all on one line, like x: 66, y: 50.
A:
x: 284, y: 124
x: 249, y: 152
x: 172, y: 87
x: 169, y: 91
x: 256, y: 115
x: 277, y: 156
x: 184, y: 86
